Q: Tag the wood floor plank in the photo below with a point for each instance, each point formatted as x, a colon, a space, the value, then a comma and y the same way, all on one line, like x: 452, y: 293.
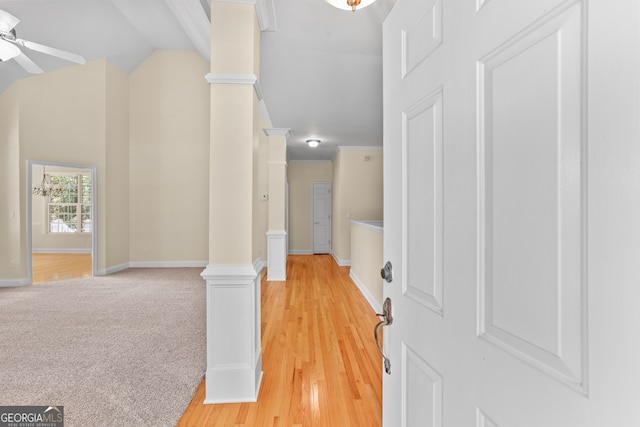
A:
x: 49, y: 267
x: 320, y: 363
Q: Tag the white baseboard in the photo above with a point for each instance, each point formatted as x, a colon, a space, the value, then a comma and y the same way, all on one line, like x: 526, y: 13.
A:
x: 377, y: 307
x: 11, y: 283
x: 167, y: 264
x: 61, y: 250
x: 300, y: 252
x: 341, y: 262
x: 113, y: 269
x: 150, y: 264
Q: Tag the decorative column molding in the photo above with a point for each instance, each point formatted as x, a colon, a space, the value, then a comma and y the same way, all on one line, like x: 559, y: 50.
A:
x: 234, y: 366
x: 276, y: 255
x: 230, y: 78
x: 241, y: 79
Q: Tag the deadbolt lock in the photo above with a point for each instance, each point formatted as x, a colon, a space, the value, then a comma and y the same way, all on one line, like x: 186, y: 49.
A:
x: 387, y: 272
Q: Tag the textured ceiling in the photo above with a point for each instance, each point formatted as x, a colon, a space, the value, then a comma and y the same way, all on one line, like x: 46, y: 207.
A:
x: 321, y: 69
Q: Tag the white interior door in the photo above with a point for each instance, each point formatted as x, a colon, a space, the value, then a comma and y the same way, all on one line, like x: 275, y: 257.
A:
x: 321, y: 217
x: 512, y: 213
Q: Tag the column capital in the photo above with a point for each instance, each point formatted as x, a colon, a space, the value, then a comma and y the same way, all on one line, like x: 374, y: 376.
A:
x: 230, y: 78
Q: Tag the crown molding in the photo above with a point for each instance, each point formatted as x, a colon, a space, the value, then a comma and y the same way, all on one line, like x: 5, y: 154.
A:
x: 286, y: 132
x: 359, y: 148
x: 266, y: 15
x: 194, y: 22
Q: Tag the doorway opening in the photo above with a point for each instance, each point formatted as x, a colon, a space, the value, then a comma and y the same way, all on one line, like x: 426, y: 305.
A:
x: 61, y: 220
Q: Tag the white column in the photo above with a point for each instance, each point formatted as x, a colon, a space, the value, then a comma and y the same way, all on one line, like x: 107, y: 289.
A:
x: 277, y: 233
x: 234, y: 352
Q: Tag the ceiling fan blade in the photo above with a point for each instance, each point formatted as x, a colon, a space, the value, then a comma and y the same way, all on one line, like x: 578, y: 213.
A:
x: 7, y: 21
x: 8, y: 50
x: 28, y: 64
x: 52, y: 51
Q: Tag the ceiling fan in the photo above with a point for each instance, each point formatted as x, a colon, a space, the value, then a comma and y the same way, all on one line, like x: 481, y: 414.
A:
x: 9, y: 46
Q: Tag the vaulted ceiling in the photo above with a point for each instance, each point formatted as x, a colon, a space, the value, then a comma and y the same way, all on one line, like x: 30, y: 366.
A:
x: 321, y: 67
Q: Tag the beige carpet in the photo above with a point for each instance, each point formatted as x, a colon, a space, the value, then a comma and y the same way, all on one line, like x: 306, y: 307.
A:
x: 122, y: 350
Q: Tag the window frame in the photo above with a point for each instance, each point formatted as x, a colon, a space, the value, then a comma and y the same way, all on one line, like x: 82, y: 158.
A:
x: 83, y: 208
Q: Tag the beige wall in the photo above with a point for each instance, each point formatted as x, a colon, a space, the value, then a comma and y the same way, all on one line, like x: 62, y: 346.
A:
x: 260, y: 187
x: 234, y: 136
x: 367, y: 254
x: 146, y: 133
x: 357, y: 194
x: 116, y: 212
x: 63, y: 120
x: 301, y: 176
x: 168, y: 158
x: 10, y: 218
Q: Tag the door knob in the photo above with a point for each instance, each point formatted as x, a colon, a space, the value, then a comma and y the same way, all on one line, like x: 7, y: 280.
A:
x: 387, y: 272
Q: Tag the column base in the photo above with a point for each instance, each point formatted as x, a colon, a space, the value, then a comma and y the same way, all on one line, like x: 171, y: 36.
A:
x: 233, y: 385
x: 234, y: 351
x: 277, y: 255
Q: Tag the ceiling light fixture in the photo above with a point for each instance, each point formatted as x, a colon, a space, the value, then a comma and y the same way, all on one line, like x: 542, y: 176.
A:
x: 350, y: 4
x: 46, y: 188
x: 313, y: 143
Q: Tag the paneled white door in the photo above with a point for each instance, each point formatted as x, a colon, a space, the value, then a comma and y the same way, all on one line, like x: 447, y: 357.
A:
x: 321, y: 217
x: 512, y: 213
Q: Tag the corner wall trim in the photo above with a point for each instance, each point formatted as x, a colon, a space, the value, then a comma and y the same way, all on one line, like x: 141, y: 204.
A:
x: 340, y: 262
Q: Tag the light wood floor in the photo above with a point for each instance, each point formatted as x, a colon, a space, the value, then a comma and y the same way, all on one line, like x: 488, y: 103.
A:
x: 320, y: 363
x: 51, y: 267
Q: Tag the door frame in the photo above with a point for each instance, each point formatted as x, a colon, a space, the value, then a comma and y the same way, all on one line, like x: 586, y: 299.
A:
x: 94, y: 211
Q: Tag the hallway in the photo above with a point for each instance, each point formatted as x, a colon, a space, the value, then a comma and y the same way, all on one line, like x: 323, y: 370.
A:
x: 321, y: 366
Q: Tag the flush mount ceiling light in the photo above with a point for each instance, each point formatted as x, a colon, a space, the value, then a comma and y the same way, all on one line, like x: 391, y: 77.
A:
x: 350, y: 4
x: 313, y: 143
